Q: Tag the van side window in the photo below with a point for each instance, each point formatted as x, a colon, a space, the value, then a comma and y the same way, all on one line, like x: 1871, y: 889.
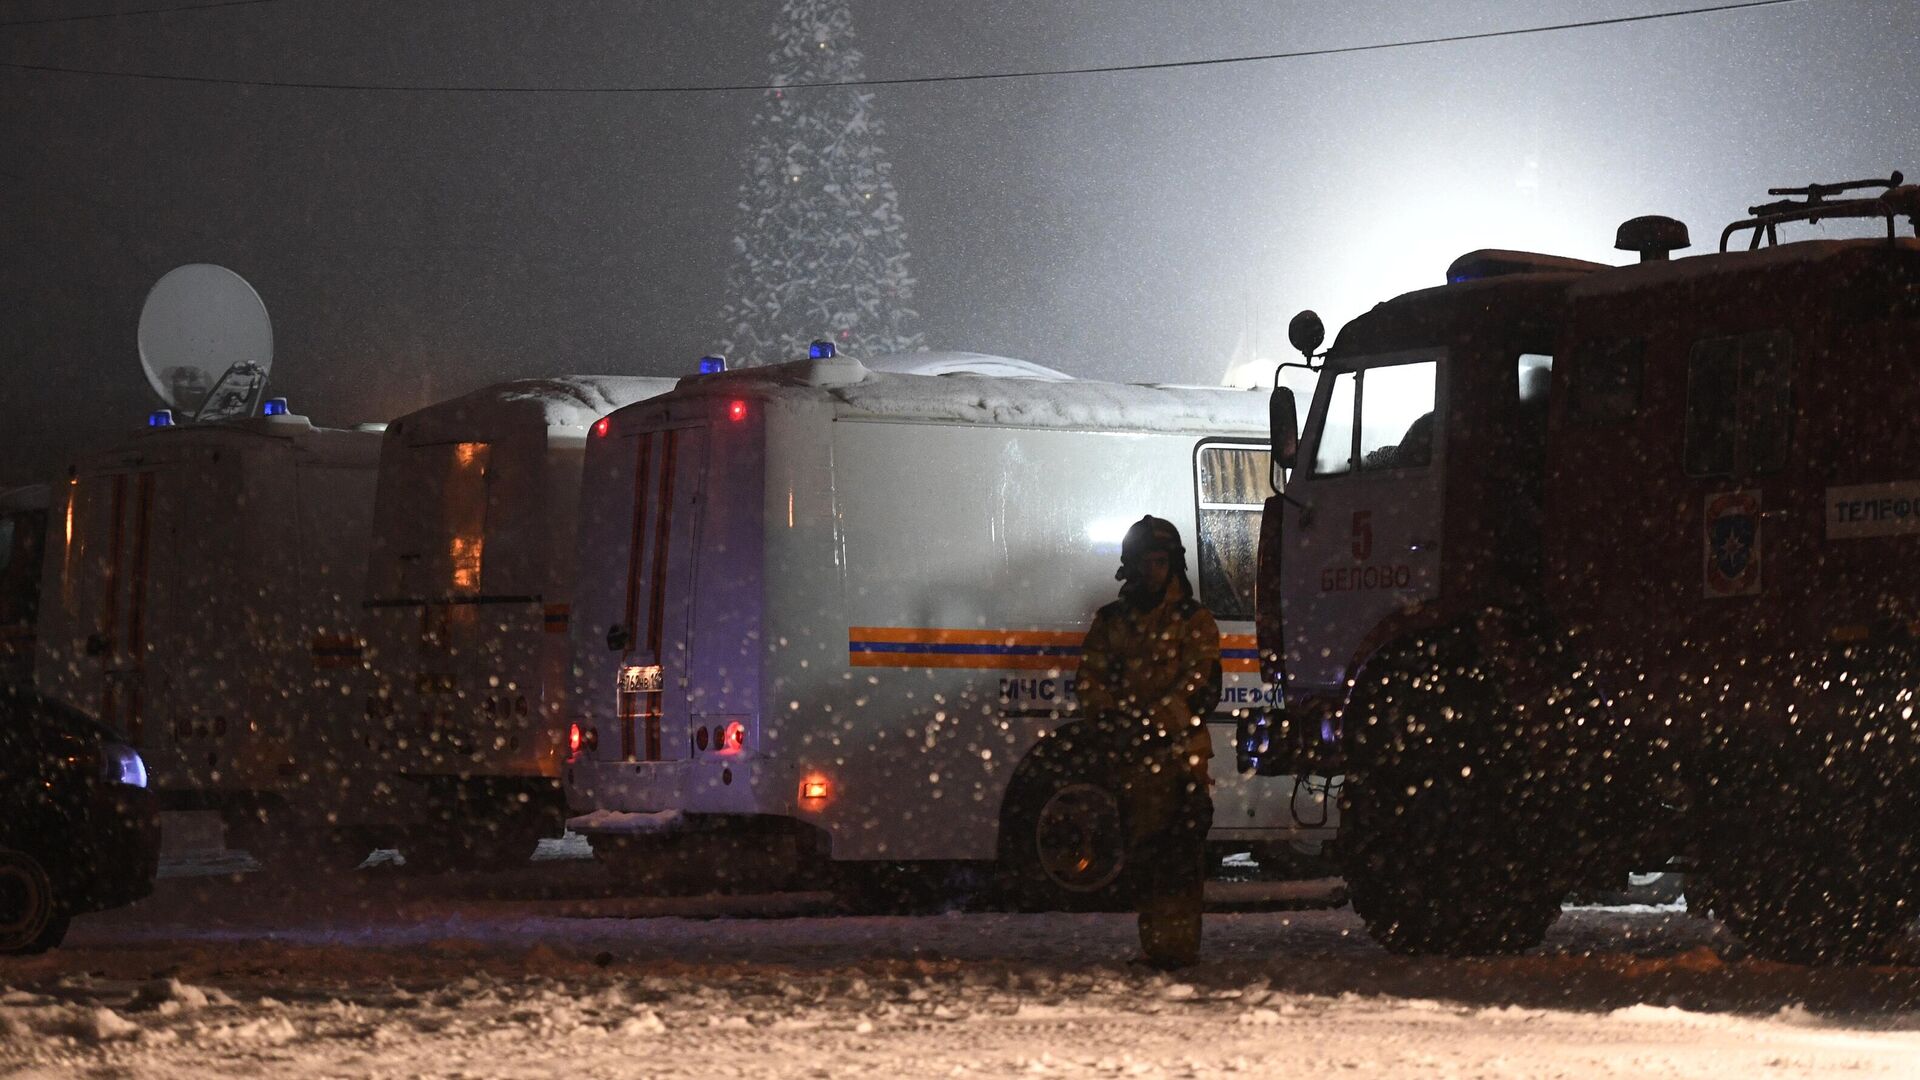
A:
x: 1606, y: 382
x: 1231, y: 483
x: 449, y: 547
x: 1739, y: 405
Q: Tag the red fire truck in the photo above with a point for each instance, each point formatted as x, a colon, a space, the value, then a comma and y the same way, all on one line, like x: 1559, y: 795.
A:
x: 1581, y: 569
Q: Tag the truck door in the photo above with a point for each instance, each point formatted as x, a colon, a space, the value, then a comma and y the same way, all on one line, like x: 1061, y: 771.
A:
x: 1367, y: 543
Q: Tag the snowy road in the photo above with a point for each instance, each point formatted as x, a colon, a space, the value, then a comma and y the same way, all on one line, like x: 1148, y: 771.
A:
x: 541, y: 973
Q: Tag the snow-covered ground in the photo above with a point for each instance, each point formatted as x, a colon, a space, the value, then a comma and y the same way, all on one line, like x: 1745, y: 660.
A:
x: 544, y: 972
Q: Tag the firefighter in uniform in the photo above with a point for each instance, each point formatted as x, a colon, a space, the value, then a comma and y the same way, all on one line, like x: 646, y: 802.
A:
x: 1149, y: 676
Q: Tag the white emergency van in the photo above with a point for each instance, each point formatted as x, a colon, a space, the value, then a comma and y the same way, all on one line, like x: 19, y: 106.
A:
x: 843, y: 607
x: 468, y: 584
x: 200, y: 594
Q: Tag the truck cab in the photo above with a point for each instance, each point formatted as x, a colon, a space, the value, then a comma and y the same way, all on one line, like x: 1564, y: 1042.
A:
x: 1578, y: 564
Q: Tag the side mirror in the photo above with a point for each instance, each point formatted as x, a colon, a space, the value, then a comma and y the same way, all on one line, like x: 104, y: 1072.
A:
x: 1283, y: 427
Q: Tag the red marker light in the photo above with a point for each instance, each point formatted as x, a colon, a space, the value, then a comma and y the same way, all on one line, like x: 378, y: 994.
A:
x: 573, y: 738
x: 733, y: 737
x: 736, y: 411
x: 602, y: 425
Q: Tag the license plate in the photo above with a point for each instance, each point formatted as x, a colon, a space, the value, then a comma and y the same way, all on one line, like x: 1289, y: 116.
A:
x: 640, y: 679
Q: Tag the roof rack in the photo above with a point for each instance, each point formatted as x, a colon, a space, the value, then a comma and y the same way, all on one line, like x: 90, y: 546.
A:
x: 1813, y: 205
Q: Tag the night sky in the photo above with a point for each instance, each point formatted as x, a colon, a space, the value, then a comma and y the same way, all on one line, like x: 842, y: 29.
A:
x: 1138, y: 226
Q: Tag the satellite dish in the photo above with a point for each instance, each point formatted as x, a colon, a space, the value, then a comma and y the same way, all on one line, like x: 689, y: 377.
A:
x: 206, y: 342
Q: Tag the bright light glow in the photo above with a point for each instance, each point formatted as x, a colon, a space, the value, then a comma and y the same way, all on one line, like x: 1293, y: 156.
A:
x: 160, y: 418
x: 733, y: 737
x: 815, y: 789
x: 274, y: 406
x: 736, y: 411
x: 1105, y: 534
x: 573, y: 738
x: 712, y: 365
x: 602, y: 426
x: 820, y: 350
x: 123, y: 765
x: 463, y: 554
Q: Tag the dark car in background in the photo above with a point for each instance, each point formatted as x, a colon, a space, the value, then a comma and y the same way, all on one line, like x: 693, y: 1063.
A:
x: 78, y: 830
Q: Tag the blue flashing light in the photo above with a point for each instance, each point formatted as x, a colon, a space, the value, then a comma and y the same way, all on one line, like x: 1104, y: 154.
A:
x: 712, y: 365
x: 275, y: 406
x: 160, y: 418
x: 820, y: 350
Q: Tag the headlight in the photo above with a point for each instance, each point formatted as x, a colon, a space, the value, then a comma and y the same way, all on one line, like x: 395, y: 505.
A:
x: 121, y: 764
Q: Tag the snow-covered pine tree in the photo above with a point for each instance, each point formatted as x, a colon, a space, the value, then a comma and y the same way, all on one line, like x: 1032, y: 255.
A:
x: 821, y: 250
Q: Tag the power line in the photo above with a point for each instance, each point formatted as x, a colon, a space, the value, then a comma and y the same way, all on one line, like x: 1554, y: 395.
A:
x: 918, y: 80
x: 136, y: 11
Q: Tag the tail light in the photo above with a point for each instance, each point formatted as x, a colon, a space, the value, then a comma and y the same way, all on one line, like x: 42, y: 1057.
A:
x: 815, y: 790
x: 733, y: 737
x: 736, y: 410
x: 602, y: 425
x: 574, y: 738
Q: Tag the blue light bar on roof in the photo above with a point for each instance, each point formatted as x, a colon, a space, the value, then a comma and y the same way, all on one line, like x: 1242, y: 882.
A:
x: 712, y: 365
x: 820, y: 350
x: 160, y: 418
x: 275, y: 406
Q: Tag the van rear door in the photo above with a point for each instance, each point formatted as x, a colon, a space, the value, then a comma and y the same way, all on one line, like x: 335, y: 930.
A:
x: 638, y: 545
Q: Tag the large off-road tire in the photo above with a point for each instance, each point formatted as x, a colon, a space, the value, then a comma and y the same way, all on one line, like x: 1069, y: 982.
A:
x: 1433, y: 875
x: 1826, y: 873
x: 1436, y: 851
x: 1065, y: 842
x: 32, y: 919
x: 1803, y: 905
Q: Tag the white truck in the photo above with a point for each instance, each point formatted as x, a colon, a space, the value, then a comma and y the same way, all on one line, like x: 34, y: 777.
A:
x: 469, y: 578
x: 837, y: 611
x: 201, y: 594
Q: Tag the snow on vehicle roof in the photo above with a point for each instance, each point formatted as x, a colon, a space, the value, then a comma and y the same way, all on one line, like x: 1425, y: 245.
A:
x: 1712, y: 263
x: 1008, y: 402
x: 346, y: 447
x: 557, y: 401
x: 963, y: 363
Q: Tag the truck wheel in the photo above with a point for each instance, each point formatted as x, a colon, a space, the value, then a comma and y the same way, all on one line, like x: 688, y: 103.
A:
x: 1801, y: 908
x: 31, y: 918
x: 1064, y: 838
x: 1429, y: 875
x: 1433, y: 827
